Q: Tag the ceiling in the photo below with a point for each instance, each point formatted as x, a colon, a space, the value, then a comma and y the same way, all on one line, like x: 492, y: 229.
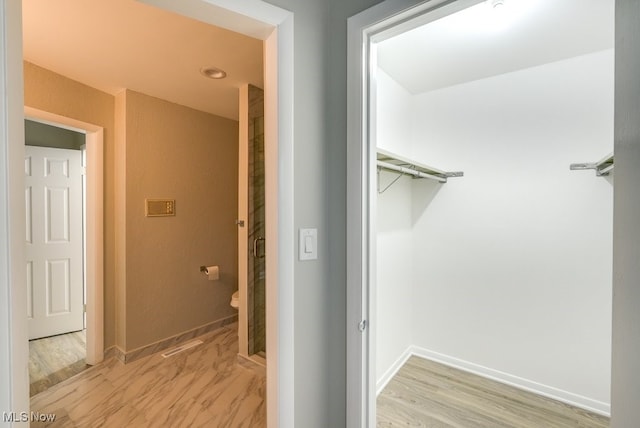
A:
x: 113, y: 45
x: 482, y: 41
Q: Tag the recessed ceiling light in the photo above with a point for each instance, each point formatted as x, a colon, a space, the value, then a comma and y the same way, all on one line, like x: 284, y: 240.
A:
x: 213, y: 73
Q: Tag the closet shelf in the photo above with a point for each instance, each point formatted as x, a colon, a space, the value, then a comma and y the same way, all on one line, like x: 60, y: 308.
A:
x: 392, y: 162
x: 603, y: 167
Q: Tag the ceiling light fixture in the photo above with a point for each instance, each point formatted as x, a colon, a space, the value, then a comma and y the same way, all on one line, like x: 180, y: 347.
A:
x: 213, y: 73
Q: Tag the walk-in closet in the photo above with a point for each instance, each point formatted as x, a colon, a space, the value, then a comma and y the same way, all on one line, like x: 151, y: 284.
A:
x: 495, y: 175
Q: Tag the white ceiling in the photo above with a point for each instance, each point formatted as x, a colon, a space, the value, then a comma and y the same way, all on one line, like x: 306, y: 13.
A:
x: 116, y: 44
x: 480, y: 42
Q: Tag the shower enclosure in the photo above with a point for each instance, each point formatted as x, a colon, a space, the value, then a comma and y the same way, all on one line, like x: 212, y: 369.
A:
x: 252, y: 255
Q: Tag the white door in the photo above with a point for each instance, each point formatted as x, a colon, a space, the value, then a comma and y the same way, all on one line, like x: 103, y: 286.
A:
x: 53, y: 196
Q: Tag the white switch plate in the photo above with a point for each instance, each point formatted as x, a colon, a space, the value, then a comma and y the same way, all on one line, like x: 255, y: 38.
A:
x: 308, y: 244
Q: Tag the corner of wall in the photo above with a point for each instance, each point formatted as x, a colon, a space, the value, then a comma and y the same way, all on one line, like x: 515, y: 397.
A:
x: 120, y: 211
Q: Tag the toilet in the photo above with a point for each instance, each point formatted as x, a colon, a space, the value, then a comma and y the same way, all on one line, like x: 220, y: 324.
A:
x: 235, y: 300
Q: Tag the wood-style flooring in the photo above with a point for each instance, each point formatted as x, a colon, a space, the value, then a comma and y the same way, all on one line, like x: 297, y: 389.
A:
x: 427, y: 394
x: 55, y: 359
x: 203, y: 386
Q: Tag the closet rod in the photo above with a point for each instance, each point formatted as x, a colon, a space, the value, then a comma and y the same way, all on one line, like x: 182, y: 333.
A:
x: 403, y: 170
x: 603, y: 167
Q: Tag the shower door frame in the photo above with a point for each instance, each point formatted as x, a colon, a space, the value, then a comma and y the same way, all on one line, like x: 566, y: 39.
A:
x: 248, y: 245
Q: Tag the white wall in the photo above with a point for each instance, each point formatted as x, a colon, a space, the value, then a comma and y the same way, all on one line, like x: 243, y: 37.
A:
x: 14, y: 351
x: 513, y: 261
x: 394, y: 282
x: 394, y: 115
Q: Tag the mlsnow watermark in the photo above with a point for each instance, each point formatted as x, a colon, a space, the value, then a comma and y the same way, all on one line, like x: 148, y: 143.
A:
x: 28, y: 417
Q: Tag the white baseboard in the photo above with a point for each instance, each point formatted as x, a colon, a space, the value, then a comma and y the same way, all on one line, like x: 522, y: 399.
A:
x: 586, y: 403
x: 391, y: 372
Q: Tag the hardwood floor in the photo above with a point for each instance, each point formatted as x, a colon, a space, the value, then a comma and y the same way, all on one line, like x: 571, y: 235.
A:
x: 55, y: 359
x: 427, y: 394
x: 203, y: 386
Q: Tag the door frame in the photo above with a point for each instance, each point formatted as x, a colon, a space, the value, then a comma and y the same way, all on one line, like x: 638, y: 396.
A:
x: 94, y: 239
x: 255, y: 18
x: 378, y: 23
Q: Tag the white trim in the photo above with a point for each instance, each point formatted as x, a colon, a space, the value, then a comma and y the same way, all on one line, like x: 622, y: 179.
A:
x: 567, y: 397
x: 279, y: 179
x: 357, y: 346
x: 14, y: 351
x: 361, y: 254
x: 95, y: 246
x: 393, y: 370
x: 576, y: 400
x: 95, y: 224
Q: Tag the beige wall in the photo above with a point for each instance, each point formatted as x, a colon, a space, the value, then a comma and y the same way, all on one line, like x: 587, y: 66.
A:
x: 53, y: 93
x: 156, y: 149
x: 178, y: 153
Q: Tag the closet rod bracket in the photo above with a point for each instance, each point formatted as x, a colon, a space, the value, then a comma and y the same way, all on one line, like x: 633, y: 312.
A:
x: 602, y: 168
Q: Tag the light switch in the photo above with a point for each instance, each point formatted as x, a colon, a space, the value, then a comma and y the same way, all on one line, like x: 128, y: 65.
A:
x: 308, y: 248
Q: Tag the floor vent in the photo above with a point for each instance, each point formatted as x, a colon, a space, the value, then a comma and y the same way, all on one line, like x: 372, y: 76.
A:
x: 181, y: 348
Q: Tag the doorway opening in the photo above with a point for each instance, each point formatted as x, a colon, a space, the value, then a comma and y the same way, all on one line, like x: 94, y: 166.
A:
x: 195, y: 150
x: 91, y: 336
x: 274, y: 26
x: 55, y: 196
x: 445, y: 273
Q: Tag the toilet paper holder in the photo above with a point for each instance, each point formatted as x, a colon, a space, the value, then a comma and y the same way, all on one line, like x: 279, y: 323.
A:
x: 212, y: 272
